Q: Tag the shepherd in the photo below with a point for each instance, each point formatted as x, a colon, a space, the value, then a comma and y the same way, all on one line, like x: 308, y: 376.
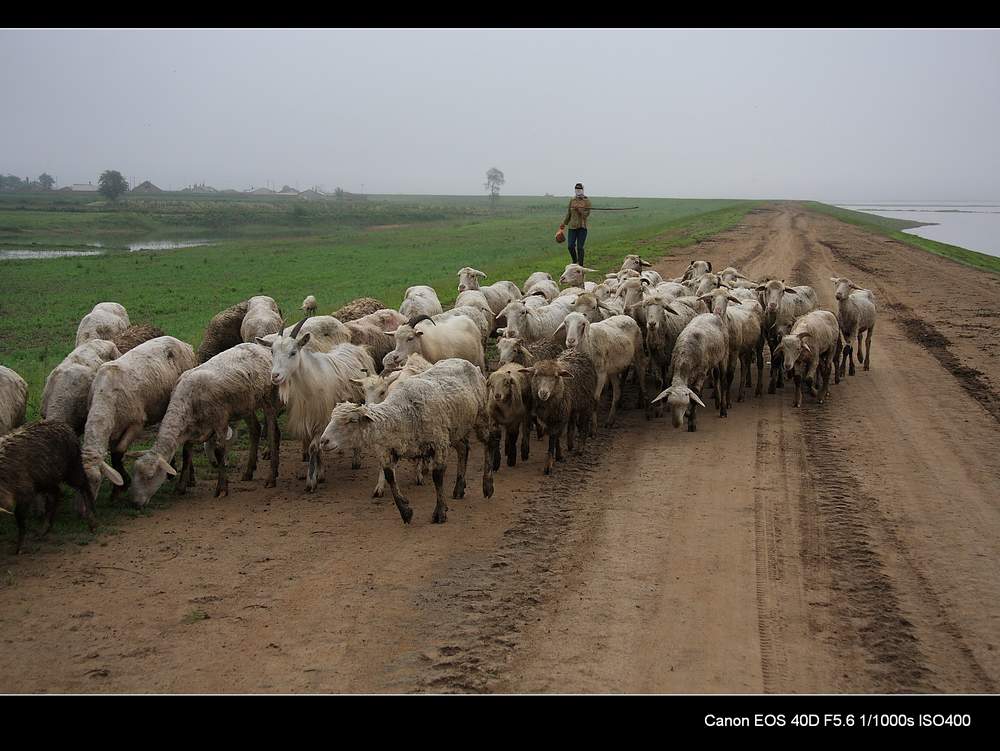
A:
x: 576, y: 217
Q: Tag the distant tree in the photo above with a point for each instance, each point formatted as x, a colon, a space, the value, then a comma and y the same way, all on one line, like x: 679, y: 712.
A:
x: 339, y: 192
x: 494, y: 179
x: 112, y: 184
x: 46, y: 181
x: 11, y: 183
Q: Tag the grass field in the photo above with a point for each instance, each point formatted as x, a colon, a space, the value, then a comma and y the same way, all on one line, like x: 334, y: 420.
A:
x: 893, y: 228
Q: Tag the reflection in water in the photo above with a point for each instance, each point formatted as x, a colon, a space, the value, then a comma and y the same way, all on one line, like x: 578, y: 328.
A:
x: 166, y: 244
x: 18, y: 255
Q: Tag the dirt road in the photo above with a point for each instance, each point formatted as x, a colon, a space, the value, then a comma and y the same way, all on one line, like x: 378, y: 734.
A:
x: 852, y: 546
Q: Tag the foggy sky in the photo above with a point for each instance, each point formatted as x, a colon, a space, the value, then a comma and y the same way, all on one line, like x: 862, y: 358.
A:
x: 829, y: 115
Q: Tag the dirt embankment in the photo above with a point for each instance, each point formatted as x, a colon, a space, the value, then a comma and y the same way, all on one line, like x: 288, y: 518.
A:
x: 846, y: 547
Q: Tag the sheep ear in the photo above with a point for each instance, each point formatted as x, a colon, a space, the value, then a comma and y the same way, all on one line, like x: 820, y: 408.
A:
x: 165, y: 466
x: 803, y: 334
x: 389, y: 333
x: 834, y: 279
x: 229, y: 434
x: 263, y: 342
x: 854, y: 286
x: 419, y: 333
x: 806, y: 347
x: 663, y: 395
x: 561, y: 326
x: 790, y: 291
x: 669, y: 309
x: 111, y: 474
x: 695, y: 399
x: 529, y: 371
x: 762, y: 288
x: 733, y: 299
x: 565, y: 374
x: 358, y: 380
x: 304, y: 339
x: 480, y: 274
x: 592, y: 271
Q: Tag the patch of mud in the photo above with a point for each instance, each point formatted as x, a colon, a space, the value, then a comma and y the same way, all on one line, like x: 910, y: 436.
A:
x: 927, y: 336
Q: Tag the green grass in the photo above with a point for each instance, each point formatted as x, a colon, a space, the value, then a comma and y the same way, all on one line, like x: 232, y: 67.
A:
x: 889, y: 227
x: 338, y: 251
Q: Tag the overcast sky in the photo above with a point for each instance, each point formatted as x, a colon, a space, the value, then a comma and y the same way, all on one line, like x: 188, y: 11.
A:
x: 828, y: 115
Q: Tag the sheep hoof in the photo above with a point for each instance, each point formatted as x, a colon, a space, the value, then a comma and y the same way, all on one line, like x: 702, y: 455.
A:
x: 459, y: 491
x: 487, y: 487
x: 439, y: 516
x: 378, y: 493
x: 511, y: 461
x: 269, y: 483
x: 406, y: 513
x: 355, y: 465
x: 247, y: 476
x: 525, y: 453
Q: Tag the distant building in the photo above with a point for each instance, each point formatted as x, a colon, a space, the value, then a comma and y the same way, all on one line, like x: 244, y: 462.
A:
x: 262, y: 192
x: 312, y: 195
x: 199, y: 189
x: 83, y: 188
x: 146, y: 187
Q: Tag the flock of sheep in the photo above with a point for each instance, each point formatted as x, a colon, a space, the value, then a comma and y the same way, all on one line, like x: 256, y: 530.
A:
x: 413, y: 383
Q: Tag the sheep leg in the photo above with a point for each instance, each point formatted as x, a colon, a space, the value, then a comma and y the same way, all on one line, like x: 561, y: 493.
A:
x: 355, y: 459
x: 423, y: 467
x: 775, y: 367
x: 222, y: 484
x: 691, y: 414
x: 189, y: 458
x: 640, y: 372
x: 744, y: 375
x: 526, y: 439
x: 117, y: 462
x: 798, y: 391
x: 462, y: 449
x: 844, y: 354
x: 824, y: 368
x: 51, y: 501
x: 488, y: 471
x: 722, y: 388
x: 312, y: 475
x: 440, y: 515
x: 510, y: 450
x: 88, y: 505
x: 550, y: 458
x: 570, y: 434
x: 181, y: 484
x: 21, y: 515
x: 273, y: 443
x: 868, y: 348
x: 380, y: 484
x: 582, y: 429
x: 405, y: 512
x: 493, y: 447
x: 616, y: 394
x: 305, y: 449
x: 254, y: 426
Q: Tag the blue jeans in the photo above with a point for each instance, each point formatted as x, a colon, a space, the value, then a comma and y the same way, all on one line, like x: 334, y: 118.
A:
x: 577, y: 237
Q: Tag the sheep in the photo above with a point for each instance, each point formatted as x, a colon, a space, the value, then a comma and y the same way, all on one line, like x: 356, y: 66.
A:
x: 67, y: 387
x: 573, y: 276
x: 377, y: 387
x: 476, y: 299
x: 702, y: 348
x: 652, y: 277
x: 634, y: 263
x: 733, y: 279
x: 366, y: 332
x: 664, y: 324
x: 782, y: 305
x: 35, y: 459
x: 357, y: 308
x: 513, y: 350
x: 509, y: 407
x: 103, y: 322
x: 422, y: 417
x: 613, y: 344
x: 746, y: 339
x: 455, y: 336
x: 563, y: 401
x: 223, y: 331
x: 386, y: 319
x: 309, y: 305
x: 670, y: 290
x: 696, y: 269
x: 311, y: 384
x: 263, y: 317
x: 326, y: 332
x: 420, y: 301
x: 497, y: 294
x: 535, y: 324
x: 533, y: 300
x: 234, y: 384
x: 135, y: 335
x: 128, y: 394
x: 541, y: 282
x: 13, y: 399
x: 856, y: 313
x: 591, y: 308
x: 813, y: 343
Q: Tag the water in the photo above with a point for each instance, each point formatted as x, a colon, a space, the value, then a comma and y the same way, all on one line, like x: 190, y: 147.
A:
x: 18, y: 255
x: 975, y: 227
x: 166, y: 244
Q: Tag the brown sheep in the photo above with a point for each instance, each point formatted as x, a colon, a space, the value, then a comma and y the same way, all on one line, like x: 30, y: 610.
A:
x: 135, y: 335
x: 223, y: 331
x: 357, y: 308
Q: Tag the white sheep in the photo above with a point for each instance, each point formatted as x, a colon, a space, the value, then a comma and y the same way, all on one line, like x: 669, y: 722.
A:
x: 232, y: 385
x: 13, y: 400
x: 105, y: 321
x: 573, y: 276
x: 67, y: 387
x: 440, y: 339
x: 746, y: 339
x: 263, y: 317
x: 473, y: 298
x: 423, y: 417
x: 128, y: 394
x: 309, y: 305
x: 701, y: 350
x: 782, y: 305
x: 613, y: 345
x: 311, y: 384
x: 856, y: 313
x: 540, y: 283
x: 377, y: 387
x: 635, y: 263
x: 420, y: 300
x: 814, y: 344
x: 512, y: 349
x: 664, y: 324
x: 533, y: 324
x: 497, y: 294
